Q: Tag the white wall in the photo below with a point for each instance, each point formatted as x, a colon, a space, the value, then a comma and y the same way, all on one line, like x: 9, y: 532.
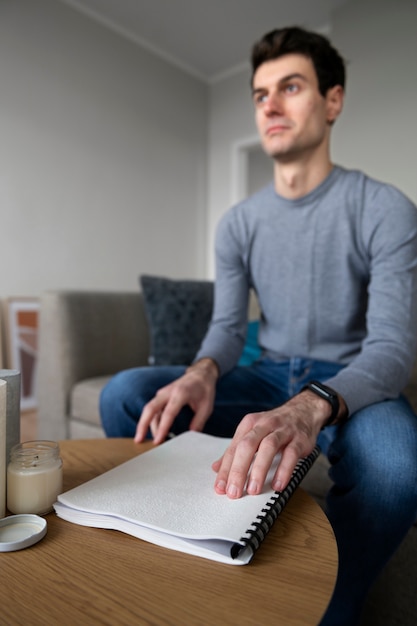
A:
x: 377, y: 131
x: 102, y: 156
x: 231, y: 124
x: 103, y: 166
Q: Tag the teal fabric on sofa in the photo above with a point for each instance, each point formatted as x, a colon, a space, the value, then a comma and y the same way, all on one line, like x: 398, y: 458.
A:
x: 251, y: 351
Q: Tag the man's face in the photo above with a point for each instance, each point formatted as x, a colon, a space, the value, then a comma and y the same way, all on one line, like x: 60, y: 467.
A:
x: 292, y: 117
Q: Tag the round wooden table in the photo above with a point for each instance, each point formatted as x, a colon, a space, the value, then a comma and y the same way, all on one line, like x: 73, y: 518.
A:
x: 80, y: 575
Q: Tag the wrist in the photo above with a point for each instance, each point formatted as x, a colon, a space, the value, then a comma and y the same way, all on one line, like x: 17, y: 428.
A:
x: 319, y: 409
x: 205, y: 366
x: 331, y: 405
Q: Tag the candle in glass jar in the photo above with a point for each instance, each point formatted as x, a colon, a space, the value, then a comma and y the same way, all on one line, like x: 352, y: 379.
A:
x: 34, y: 477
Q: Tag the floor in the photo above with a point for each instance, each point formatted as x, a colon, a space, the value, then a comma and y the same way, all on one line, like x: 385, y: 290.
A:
x: 28, y: 426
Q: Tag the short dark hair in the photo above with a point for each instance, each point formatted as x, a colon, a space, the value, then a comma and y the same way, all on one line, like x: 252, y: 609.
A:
x: 329, y: 65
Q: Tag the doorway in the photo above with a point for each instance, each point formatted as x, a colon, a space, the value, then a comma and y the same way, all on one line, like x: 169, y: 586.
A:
x: 252, y: 169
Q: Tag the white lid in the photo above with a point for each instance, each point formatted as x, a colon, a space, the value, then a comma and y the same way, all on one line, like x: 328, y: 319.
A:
x: 21, y: 531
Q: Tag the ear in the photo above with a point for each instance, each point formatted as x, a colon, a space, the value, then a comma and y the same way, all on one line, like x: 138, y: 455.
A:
x: 334, y: 103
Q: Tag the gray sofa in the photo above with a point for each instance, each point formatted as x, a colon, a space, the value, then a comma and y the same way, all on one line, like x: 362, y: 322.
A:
x: 86, y: 337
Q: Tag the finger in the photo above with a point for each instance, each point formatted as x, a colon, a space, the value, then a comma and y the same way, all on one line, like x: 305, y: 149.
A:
x: 151, y: 410
x: 166, y: 419
x: 222, y: 467
x: 236, y: 463
x: 289, y: 460
x: 154, y: 426
x: 200, y: 418
x: 216, y: 464
x: 264, y: 458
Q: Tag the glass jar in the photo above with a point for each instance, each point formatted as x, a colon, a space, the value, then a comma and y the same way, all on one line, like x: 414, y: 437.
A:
x: 34, y: 477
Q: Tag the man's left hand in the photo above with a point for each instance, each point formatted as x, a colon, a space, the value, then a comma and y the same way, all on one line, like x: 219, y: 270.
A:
x: 291, y: 429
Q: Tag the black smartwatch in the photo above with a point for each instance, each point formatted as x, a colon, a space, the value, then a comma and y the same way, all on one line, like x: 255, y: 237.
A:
x: 327, y: 394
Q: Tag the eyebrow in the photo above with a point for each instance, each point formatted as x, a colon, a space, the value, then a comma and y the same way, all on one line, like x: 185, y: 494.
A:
x: 282, y: 80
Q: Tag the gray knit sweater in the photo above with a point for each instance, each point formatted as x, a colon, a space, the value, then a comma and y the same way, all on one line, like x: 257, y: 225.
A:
x: 335, y: 273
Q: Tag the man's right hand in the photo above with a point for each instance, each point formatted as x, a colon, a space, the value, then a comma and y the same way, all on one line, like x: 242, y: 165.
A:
x: 196, y: 388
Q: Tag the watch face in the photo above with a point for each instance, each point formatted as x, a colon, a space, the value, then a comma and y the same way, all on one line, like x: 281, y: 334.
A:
x: 323, y: 391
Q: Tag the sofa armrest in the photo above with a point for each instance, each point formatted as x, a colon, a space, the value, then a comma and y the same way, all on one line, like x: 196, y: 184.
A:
x: 83, y: 335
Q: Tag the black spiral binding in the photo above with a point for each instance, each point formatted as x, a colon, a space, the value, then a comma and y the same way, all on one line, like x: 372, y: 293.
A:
x: 255, y: 535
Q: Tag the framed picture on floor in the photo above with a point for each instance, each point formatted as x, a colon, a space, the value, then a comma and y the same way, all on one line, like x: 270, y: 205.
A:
x: 22, y: 323
x: 2, y: 356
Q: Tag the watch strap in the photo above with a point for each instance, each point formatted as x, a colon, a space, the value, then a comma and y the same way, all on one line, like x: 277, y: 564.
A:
x: 328, y: 394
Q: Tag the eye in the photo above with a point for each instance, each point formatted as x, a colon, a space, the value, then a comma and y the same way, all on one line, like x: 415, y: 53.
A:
x: 259, y: 98
x: 291, y: 88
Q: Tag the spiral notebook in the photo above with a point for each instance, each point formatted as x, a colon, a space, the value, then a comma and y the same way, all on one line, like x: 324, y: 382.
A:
x: 166, y: 496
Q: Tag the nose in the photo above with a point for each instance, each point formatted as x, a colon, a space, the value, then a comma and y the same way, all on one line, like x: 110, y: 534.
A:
x: 273, y: 104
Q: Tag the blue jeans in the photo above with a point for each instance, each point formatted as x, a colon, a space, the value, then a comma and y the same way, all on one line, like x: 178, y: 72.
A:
x: 373, y: 501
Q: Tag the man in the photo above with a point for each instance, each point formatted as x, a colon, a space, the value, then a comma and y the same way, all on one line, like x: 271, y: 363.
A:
x: 332, y: 257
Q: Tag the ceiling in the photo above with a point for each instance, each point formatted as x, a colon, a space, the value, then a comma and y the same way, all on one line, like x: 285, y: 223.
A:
x: 207, y: 38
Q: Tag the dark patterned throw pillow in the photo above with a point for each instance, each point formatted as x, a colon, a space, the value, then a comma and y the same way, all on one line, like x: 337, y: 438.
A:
x: 178, y: 314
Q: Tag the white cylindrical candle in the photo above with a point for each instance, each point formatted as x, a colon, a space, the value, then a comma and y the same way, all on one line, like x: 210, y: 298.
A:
x: 34, y: 477
x: 12, y: 378
x: 3, y: 450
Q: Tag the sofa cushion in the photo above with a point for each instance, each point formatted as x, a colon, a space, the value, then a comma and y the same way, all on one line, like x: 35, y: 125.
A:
x: 178, y: 314
x: 84, y: 399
